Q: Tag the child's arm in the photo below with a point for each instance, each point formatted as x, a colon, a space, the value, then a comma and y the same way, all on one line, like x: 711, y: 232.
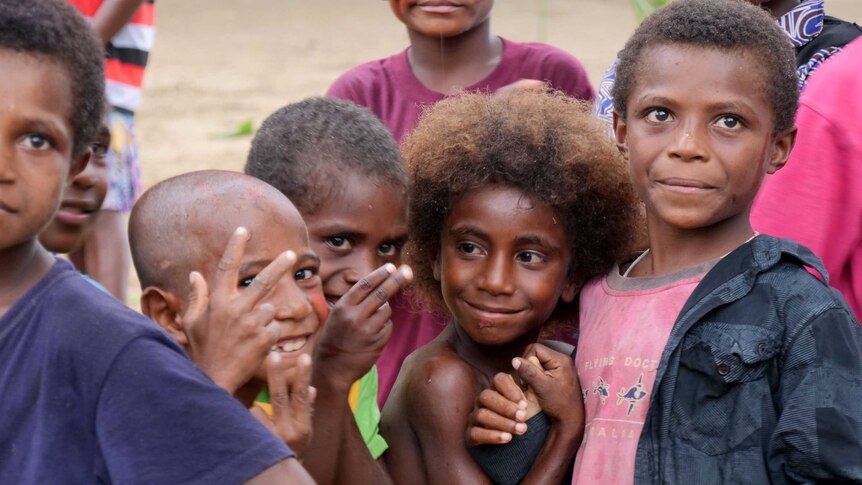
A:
x: 424, y: 424
x: 112, y: 16
x: 355, y: 334
x: 818, y: 436
x: 502, y: 411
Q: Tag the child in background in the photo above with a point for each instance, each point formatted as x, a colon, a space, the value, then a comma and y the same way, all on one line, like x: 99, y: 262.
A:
x: 126, y: 29
x: 180, y: 226
x: 715, y: 356
x: 452, y: 49
x: 815, y: 196
x: 92, y: 392
x: 81, y: 200
x: 516, y: 200
x: 341, y: 168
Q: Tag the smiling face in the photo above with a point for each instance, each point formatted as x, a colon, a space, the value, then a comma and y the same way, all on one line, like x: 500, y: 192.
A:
x: 441, y: 18
x: 36, y: 138
x: 503, y: 264
x: 274, y: 227
x: 699, y: 143
x: 360, y: 228
x: 81, y: 200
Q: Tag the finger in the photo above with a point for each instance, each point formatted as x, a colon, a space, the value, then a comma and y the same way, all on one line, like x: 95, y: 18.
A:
x: 488, y: 419
x: 534, y: 376
x: 198, y: 299
x: 390, y: 287
x: 546, y: 356
x: 366, y: 285
x: 266, y: 280
x: 298, y: 384
x: 276, y: 381
x: 227, y: 272
x: 479, y: 436
x: 496, y: 403
x: 508, y: 388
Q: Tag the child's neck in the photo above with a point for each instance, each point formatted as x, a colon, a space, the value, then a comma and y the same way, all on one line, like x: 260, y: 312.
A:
x: 672, y: 250
x: 487, y: 359
x: 445, y: 65
x: 21, y: 267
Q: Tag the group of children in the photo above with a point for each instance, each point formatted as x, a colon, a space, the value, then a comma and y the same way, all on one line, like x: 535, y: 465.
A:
x: 274, y: 298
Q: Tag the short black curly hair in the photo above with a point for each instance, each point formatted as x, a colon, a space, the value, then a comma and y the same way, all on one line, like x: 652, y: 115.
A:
x: 719, y: 24
x: 54, y: 29
x: 547, y: 146
x: 301, y: 148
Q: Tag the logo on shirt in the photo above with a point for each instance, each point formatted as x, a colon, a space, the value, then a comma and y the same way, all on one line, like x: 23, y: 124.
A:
x: 632, y: 395
x: 601, y: 389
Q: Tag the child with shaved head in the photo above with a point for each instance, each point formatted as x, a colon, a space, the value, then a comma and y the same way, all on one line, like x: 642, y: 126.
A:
x: 227, y: 269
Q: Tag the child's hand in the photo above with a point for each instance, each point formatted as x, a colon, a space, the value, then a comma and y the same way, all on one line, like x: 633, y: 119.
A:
x: 292, y: 399
x: 523, y: 85
x: 503, y: 409
x: 228, y: 337
x: 358, y: 327
x: 551, y: 376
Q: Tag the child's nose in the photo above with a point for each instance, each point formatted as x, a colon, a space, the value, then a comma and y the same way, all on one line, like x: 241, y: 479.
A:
x: 361, y: 267
x: 688, y: 144
x: 496, y: 277
x: 293, y: 303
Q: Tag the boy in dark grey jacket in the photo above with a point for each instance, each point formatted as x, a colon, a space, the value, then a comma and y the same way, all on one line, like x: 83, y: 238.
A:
x: 715, y: 356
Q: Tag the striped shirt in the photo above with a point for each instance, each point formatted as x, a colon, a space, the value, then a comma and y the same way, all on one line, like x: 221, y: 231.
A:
x: 126, y: 54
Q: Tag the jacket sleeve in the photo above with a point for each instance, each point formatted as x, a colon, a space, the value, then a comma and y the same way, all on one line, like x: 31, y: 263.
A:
x: 818, y: 436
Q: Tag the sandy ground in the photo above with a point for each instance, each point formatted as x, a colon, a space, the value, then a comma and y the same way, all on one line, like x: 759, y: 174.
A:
x: 218, y: 63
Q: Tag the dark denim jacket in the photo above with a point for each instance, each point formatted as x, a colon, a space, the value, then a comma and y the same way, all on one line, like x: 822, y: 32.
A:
x: 761, y: 379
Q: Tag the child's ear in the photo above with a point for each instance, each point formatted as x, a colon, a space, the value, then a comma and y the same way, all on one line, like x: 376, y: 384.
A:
x: 570, y: 291
x: 435, y: 267
x: 620, y: 134
x: 165, y: 309
x: 782, y: 145
x: 79, y: 163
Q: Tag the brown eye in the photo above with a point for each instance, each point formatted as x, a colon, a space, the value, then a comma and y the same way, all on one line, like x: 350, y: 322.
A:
x: 659, y: 115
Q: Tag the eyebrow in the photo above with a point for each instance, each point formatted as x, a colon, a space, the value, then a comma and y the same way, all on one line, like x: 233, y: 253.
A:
x: 535, y: 240
x: 732, y: 106
x: 308, y: 257
x: 263, y: 263
x: 466, y: 230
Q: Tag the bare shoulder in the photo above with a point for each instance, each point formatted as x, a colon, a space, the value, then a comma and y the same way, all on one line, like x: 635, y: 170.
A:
x: 436, y: 373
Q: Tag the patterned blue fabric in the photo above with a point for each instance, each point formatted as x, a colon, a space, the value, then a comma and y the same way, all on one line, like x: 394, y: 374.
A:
x: 804, y: 22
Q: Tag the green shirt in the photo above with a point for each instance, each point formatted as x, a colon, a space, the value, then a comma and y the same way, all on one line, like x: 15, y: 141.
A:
x: 363, y: 402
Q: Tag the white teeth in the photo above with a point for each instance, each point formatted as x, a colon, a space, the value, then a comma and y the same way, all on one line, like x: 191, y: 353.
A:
x: 292, y: 345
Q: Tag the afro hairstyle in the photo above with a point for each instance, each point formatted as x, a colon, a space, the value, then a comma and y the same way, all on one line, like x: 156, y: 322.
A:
x: 544, y: 144
x: 733, y: 25
x: 303, y: 147
x: 54, y: 29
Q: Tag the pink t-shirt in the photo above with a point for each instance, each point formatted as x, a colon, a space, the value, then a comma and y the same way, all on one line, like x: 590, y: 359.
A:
x: 816, y: 198
x: 389, y: 89
x: 625, y: 324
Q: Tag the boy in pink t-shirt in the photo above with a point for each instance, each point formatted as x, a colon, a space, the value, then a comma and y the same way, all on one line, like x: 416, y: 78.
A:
x: 715, y: 356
